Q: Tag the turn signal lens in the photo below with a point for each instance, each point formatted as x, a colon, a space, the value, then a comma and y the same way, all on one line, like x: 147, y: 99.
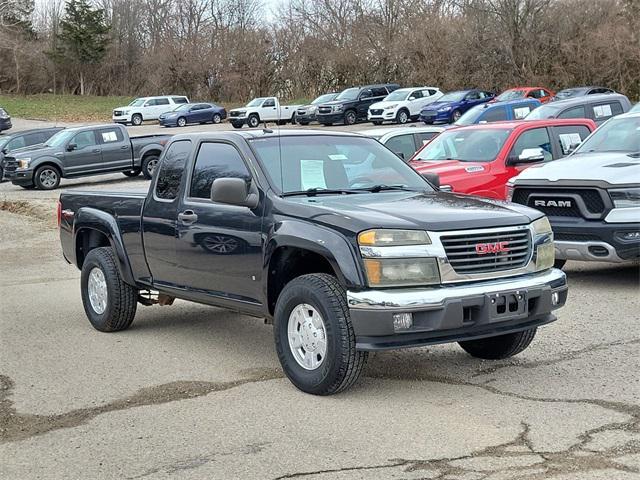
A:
x: 381, y: 238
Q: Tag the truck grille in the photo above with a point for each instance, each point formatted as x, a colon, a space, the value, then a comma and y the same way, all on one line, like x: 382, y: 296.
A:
x: 376, y: 111
x: 462, y: 251
x: 590, y: 196
x: 324, y: 109
x: 234, y: 114
x: 117, y: 113
x: 10, y: 165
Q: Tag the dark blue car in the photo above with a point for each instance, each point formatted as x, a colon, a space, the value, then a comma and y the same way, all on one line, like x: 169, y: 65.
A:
x: 498, y: 112
x: 193, y: 113
x: 452, y: 105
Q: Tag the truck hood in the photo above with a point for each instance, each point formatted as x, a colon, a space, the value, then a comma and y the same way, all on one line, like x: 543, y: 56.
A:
x: 450, y: 168
x: 410, y: 210
x: 34, y: 151
x: 615, y: 168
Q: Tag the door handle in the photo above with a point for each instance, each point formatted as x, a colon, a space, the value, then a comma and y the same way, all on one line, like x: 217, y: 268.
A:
x: 96, y: 150
x: 124, y: 147
x: 188, y: 217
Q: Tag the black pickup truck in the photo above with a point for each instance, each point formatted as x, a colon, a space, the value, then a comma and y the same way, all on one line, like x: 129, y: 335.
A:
x: 81, y: 152
x: 331, y: 237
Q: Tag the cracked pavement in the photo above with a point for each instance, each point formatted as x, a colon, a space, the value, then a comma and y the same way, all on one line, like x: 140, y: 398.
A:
x: 195, y: 392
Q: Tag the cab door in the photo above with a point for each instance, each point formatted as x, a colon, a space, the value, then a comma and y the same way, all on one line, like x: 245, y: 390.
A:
x: 116, y: 151
x: 269, y: 110
x: 83, y: 154
x: 160, y: 216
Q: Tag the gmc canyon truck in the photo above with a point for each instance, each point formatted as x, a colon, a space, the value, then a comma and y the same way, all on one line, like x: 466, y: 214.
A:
x: 81, y: 152
x: 592, y: 197
x: 329, y: 236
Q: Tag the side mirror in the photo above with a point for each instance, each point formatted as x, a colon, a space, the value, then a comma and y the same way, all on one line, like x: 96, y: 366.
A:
x: 530, y: 155
x: 400, y: 154
x: 5, y: 151
x: 233, y: 191
x: 412, y: 98
x: 71, y: 147
x: 432, y: 178
x: 573, y: 147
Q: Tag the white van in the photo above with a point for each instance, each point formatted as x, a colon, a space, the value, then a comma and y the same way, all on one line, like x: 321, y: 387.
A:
x: 147, y: 108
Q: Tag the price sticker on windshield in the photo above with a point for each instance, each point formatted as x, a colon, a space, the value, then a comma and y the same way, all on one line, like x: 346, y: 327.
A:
x: 312, y: 174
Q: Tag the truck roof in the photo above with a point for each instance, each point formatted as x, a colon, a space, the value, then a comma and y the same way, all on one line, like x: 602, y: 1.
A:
x: 512, y: 124
x: 263, y: 133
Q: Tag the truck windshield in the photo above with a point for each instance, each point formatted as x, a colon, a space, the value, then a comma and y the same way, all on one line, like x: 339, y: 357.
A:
x: 138, y: 102
x: 472, y: 145
x: 510, y: 95
x: 348, y: 94
x: 60, y: 138
x: 616, y: 135
x: 256, y: 102
x: 303, y: 163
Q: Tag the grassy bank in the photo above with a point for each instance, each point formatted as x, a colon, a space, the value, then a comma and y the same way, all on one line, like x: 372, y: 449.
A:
x: 62, y: 108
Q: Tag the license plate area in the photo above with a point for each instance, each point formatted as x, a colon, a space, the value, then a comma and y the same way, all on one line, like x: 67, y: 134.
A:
x: 507, y: 305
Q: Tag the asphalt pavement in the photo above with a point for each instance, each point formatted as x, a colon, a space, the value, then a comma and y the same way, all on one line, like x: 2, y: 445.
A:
x: 195, y: 392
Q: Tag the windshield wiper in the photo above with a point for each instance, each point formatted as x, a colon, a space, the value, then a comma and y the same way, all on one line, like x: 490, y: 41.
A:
x: 312, y: 192
x: 634, y: 155
x: 382, y: 187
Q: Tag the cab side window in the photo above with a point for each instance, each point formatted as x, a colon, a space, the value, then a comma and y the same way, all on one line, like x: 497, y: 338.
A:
x: 495, y: 114
x: 574, y: 112
x: 570, y: 135
x: 215, y: 160
x: 269, y: 103
x: 110, y: 135
x: 171, y: 169
x: 535, y: 138
x: 379, y: 92
x: 604, y: 111
x: 84, y: 139
x: 162, y: 101
x: 402, y: 144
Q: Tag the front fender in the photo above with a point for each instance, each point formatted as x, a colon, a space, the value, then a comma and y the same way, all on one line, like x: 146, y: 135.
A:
x: 93, y: 219
x: 47, y: 159
x: 331, y: 245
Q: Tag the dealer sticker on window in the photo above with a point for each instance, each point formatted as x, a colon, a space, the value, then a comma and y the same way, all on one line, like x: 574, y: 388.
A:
x: 312, y: 174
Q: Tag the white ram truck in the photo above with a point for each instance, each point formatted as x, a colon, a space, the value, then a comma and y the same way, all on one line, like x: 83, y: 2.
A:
x: 263, y: 109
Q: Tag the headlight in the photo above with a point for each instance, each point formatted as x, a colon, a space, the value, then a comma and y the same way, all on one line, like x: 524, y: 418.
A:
x: 401, y: 272
x: 390, y: 107
x: 23, y: 162
x: 384, y: 238
x: 625, y: 197
x: 543, y: 244
x: 312, y: 109
x: 338, y: 108
x: 241, y: 113
x: 444, y: 109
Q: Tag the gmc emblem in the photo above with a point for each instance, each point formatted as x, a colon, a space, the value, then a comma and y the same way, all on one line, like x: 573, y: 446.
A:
x: 552, y: 203
x: 485, y: 248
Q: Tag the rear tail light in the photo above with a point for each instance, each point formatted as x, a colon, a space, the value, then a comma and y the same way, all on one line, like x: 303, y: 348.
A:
x: 59, y: 213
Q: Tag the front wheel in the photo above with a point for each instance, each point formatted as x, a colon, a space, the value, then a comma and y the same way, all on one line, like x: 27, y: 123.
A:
x: 136, y: 120
x: 502, y: 346
x: 402, y: 117
x: 149, y: 164
x: 314, y: 335
x: 350, y: 117
x: 253, y: 121
x: 217, y: 118
x: 182, y: 122
x: 110, y: 304
x: 47, y: 177
x: 455, y: 116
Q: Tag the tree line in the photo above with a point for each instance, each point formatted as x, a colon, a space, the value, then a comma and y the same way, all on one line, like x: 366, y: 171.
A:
x: 230, y: 50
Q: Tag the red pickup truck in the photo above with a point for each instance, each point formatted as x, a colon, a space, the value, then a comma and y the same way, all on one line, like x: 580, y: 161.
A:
x: 480, y: 159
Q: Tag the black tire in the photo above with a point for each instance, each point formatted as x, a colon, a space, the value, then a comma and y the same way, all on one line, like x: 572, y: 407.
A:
x: 1, y: 174
x: 132, y: 173
x: 350, y: 117
x: 217, y: 118
x: 181, y: 122
x: 149, y: 164
x: 342, y: 363
x: 455, y: 116
x: 559, y: 263
x: 236, y: 125
x: 281, y: 122
x: 327, y: 124
x: 122, y: 298
x: 136, y: 120
x: 502, y: 346
x: 376, y: 122
x: 402, y: 116
x: 304, y: 124
x: 253, y: 121
x: 28, y: 187
x: 46, y: 177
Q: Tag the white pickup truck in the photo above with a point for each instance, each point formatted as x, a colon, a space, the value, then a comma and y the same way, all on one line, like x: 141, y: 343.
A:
x: 262, y: 109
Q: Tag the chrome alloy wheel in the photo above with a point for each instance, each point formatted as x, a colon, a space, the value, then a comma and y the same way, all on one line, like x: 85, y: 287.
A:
x: 151, y: 165
x: 48, y: 178
x: 307, y: 336
x: 97, y: 289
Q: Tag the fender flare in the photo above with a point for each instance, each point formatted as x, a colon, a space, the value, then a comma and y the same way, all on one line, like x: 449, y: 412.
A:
x: 152, y: 146
x: 48, y: 159
x: 323, y: 241
x: 88, y: 218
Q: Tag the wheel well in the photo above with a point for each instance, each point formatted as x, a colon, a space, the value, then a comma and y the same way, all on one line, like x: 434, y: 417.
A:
x: 149, y: 153
x: 288, y: 263
x: 405, y: 109
x: 50, y: 164
x: 86, y: 240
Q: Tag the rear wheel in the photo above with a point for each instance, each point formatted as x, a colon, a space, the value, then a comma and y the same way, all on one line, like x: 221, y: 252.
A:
x: 136, y: 120
x: 455, y: 116
x: 502, y: 346
x: 47, y: 177
x: 28, y: 187
x: 110, y: 303
x: 314, y: 335
x: 149, y: 164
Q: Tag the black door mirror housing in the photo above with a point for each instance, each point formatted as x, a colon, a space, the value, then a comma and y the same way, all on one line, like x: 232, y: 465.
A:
x: 233, y: 191
x: 432, y: 178
x: 400, y: 154
x: 71, y: 147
